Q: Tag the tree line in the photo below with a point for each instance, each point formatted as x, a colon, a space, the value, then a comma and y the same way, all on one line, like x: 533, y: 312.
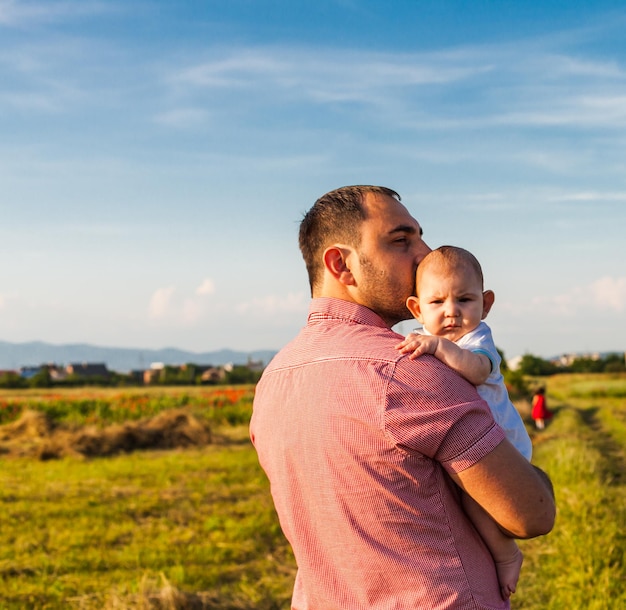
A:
x: 534, y: 366
x: 191, y: 374
x: 611, y: 363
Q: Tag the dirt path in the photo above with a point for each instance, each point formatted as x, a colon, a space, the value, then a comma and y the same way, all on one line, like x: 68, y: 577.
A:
x: 613, y: 451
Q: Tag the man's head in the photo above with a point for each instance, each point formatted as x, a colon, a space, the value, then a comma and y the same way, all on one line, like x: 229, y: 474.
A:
x: 449, y: 297
x: 335, y: 217
x: 361, y: 244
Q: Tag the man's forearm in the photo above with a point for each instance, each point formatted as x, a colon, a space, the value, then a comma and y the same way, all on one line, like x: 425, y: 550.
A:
x: 518, y: 495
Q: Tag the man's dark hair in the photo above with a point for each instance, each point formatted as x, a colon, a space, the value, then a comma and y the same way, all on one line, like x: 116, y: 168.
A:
x: 335, y: 217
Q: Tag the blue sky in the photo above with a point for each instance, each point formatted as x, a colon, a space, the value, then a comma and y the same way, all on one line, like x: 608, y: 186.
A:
x: 157, y: 157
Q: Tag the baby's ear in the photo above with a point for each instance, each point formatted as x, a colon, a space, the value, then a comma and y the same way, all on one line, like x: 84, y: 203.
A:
x: 488, y: 299
x: 413, y: 305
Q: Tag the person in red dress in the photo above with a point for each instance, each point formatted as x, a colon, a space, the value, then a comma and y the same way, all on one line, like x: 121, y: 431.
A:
x: 540, y: 411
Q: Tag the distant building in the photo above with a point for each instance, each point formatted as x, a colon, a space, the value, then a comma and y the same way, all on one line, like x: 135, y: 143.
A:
x: 136, y: 375
x: 255, y: 365
x: 213, y: 374
x: 27, y: 372
x: 86, y: 369
x: 57, y: 372
x: 567, y: 359
x: 151, y: 375
x: 513, y: 363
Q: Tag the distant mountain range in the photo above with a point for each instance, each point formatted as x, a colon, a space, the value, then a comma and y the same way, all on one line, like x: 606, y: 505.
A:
x: 16, y: 355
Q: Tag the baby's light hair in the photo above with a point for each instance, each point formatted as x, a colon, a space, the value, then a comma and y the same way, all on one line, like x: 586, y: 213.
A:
x: 449, y: 257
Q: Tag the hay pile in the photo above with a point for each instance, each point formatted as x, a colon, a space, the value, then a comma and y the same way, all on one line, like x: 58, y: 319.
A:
x: 34, y: 434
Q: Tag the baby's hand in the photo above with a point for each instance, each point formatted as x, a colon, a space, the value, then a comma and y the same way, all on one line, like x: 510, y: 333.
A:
x: 415, y: 345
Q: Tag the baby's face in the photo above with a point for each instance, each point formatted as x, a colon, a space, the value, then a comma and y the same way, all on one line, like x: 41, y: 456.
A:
x: 450, y: 303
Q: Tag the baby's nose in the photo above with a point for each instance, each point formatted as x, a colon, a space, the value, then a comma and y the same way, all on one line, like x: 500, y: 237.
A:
x: 452, y: 310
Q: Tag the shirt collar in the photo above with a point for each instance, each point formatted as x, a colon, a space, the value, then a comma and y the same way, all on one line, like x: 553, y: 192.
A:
x: 326, y: 308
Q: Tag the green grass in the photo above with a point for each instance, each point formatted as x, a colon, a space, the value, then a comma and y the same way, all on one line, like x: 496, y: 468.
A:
x: 582, y: 563
x: 85, y: 530
x: 103, y: 406
x: 601, y: 397
x: 196, y: 528
x: 111, y: 533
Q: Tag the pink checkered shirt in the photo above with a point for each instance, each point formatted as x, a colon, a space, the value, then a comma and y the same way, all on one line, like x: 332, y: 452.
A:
x: 356, y: 440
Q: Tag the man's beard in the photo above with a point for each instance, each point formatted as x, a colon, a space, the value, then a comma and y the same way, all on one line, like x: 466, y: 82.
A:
x: 382, y: 295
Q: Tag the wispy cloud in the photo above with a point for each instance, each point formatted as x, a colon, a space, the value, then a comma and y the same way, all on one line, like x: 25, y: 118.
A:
x: 59, y: 77
x: 25, y: 101
x: 160, y: 303
x: 490, y: 86
x: 293, y: 302
x: 240, y: 68
x: 566, y: 66
x: 172, y: 306
x: 182, y: 117
x: 526, y: 84
x: 18, y: 14
x: 609, y: 293
x: 324, y: 74
x: 206, y: 287
x: 589, y: 196
x: 606, y: 294
x: 575, y: 111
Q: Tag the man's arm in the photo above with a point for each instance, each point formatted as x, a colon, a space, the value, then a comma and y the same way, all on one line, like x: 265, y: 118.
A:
x: 475, y: 367
x: 517, y: 495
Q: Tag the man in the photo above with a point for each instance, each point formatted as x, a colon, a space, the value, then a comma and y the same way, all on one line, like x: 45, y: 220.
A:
x: 365, y: 448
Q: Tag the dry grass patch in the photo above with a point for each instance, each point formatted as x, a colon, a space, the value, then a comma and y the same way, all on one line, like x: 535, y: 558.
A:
x: 34, y: 434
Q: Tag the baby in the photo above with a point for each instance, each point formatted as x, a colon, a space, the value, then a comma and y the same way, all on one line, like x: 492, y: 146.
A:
x: 451, y: 303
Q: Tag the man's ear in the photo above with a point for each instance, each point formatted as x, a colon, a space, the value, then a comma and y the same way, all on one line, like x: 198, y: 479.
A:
x: 335, y: 262
x: 488, y: 298
x: 413, y: 305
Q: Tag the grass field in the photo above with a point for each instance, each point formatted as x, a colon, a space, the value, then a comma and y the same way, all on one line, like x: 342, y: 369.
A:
x: 581, y: 565
x: 194, y: 527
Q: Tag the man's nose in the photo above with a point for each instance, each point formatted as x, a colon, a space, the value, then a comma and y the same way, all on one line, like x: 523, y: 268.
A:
x: 421, y: 251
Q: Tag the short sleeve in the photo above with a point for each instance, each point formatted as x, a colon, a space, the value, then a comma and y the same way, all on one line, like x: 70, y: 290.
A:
x: 433, y: 411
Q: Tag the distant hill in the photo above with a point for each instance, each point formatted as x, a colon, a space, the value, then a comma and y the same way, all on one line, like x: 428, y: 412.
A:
x: 121, y: 359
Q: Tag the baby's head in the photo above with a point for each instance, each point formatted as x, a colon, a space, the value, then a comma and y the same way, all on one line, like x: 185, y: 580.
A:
x: 450, y: 261
x: 450, y: 300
